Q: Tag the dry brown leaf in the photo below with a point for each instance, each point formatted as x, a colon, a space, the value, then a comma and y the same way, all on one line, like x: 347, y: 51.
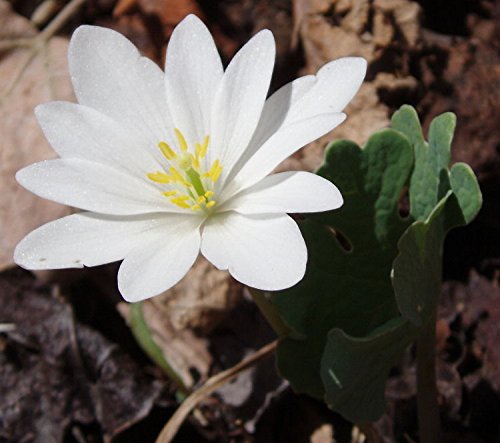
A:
x: 58, y: 374
x: 323, y: 434
x: 170, y: 12
x: 44, y: 79
x: 340, y: 28
x: 406, y: 15
x: 182, y: 349
x: 201, y: 299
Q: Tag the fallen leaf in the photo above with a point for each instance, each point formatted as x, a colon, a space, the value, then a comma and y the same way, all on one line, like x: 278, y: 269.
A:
x: 57, y: 373
x: 202, y: 299
x: 183, y: 351
x: 199, y: 302
x: 23, y: 85
x: 341, y: 28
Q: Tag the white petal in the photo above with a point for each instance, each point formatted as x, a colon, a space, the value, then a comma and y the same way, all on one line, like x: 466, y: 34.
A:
x: 275, y: 112
x: 93, y: 187
x: 329, y: 91
x: 84, y: 239
x: 192, y: 74
x: 277, y: 148
x: 287, y: 192
x: 158, y: 265
x: 265, y: 252
x: 299, y: 102
x: 109, y: 75
x: 76, y: 131
x: 239, y: 100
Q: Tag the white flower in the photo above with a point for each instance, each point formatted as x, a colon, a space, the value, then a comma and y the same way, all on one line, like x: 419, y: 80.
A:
x: 168, y: 165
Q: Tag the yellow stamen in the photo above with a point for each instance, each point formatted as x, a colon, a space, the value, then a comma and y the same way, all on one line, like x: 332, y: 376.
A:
x: 166, y: 150
x: 182, y: 141
x: 169, y: 193
x: 178, y: 177
x: 180, y: 201
x: 159, y: 177
x: 215, y: 171
x: 188, y: 169
x: 201, y: 150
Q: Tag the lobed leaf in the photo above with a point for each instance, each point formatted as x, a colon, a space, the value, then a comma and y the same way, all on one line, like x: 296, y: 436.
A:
x: 354, y: 370
x: 334, y: 292
x: 373, y: 279
x: 431, y: 159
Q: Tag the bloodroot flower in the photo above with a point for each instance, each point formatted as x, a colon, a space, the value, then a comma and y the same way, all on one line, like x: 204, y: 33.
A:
x: 169, y: 164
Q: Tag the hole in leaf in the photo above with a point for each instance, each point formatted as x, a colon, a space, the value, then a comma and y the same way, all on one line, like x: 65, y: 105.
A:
x: 404, y: 203
x: 342, y: 240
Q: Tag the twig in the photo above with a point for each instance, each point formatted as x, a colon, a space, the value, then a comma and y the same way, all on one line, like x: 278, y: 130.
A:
x: 37, y: 43
x: 60, y: 19
x: 7, y: 327
x: 211, y: 385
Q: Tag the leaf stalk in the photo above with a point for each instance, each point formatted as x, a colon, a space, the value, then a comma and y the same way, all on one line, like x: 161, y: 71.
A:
x: 429, y: 427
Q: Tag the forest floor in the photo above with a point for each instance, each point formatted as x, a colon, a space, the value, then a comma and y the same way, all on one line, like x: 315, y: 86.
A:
x: 71, y: 370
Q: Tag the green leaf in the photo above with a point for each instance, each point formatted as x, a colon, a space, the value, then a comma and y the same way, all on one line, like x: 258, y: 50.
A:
x: 350, y: 290
x: 354, y: 370
x: 427, y: 185
x: 466, y: 189
x: 145, y: 339
x: 418, y: 267
x: 373, y: 280
x: 444, y: 199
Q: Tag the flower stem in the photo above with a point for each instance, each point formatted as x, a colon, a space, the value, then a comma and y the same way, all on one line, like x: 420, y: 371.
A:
x: 269, y: 312
x: 427, y: 394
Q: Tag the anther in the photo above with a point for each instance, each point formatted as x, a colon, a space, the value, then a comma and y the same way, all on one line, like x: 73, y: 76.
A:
x: 159, y: 177
x: 166, y: 150
x: 180, y: 201
x: 182, y: 141
x: 169, y: 193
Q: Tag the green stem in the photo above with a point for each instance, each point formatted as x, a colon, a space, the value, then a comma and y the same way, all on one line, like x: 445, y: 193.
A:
x: 427, y: 395
x: 144, y: 337
x: 269, y: 312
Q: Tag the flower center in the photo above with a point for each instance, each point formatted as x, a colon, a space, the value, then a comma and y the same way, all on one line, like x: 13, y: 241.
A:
x: 189, y: 185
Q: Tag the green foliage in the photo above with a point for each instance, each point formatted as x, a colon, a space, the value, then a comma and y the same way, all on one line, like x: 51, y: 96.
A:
x: 356, y: 310
x: 349, y: 290
x: 354, y: 370
x: 145, y: 339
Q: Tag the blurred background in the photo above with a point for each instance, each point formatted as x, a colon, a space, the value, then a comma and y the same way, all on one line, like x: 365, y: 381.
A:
x: 70, y: 368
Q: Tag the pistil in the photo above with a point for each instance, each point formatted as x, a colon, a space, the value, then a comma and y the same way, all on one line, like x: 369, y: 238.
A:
x: 187, y: 175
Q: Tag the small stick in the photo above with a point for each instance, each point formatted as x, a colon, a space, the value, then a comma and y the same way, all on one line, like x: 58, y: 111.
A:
x: 212, y: 384
x: 37, y: 43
